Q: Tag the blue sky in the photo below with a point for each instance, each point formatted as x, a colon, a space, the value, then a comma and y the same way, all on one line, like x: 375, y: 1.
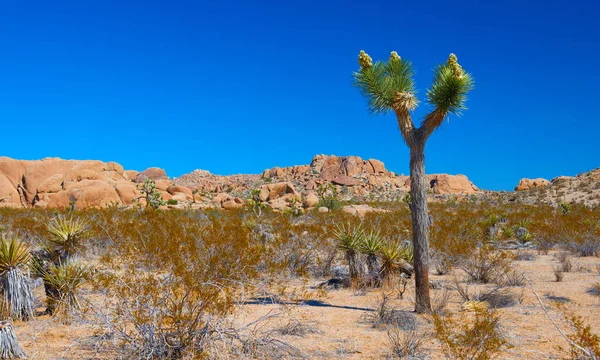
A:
x: 240, y: 86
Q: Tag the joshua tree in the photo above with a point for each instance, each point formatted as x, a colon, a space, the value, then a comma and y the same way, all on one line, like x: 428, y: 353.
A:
x: 389, y: 86
x: 150, y: 194
x: 17, y: 299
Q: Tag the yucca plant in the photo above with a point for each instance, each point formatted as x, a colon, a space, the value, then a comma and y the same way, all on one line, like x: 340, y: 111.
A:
x: 395, y: 256
x: 348, y: 241
x: 388, y: 85
x: 67, y: 236
x: 17, y: 301
x: 66, y: 278
x: 370, y: 246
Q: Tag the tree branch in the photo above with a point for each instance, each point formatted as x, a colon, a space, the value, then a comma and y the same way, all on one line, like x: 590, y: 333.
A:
x: 407, y: 128
x: 431, y: 122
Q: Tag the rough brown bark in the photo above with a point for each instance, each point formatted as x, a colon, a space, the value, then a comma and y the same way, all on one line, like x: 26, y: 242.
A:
x: 420, y: 224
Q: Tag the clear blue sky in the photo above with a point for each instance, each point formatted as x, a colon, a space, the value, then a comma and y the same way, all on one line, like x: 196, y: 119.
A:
x: 240, y: 86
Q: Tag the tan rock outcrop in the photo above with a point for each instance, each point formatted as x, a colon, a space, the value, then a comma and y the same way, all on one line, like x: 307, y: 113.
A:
x: 451, y: 184
x: 127, y: 192
x: 526, y: 184
x: 9, y: 196
x: 361, y: 210
x: 310, y: 200
x: 53, y: 184
x: 93, y: 193
x: 271, y: 192
x: 151, y: 173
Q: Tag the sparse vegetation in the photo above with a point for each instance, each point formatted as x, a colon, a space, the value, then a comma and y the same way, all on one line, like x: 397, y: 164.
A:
x: 179, y: 274
x: 479, y: 338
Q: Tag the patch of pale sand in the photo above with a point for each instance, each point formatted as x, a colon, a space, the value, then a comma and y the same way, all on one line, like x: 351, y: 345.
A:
x: 344, y: 333
x: 46, y: 339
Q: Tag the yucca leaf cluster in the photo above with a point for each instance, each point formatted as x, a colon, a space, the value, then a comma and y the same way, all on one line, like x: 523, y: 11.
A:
x: 389, y: 85
x: 392, y: 254
x: 67, y: 234
x: 66, y: 278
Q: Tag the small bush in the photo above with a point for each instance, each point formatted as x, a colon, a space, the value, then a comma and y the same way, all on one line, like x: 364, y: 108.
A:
x: 478, y: 339
x: 584, y: 343
x: 487, y: 265
x: 515, y: 278
x: 385, y: 315
x: 558, y: 274
x: 442, y: 263
x: 298, y: 328
x: 405, y: 344
x: 172, y: 202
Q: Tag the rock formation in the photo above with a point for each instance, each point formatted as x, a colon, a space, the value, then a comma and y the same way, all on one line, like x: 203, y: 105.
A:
x: 526, y: 184
x: 57, y: 183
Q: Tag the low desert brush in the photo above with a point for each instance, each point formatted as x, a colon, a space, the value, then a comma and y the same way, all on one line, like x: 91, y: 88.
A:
x: 478, y: 338
x: 487, y: 264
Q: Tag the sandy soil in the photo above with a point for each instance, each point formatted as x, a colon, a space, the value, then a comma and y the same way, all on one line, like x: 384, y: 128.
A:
x: 343, y: 330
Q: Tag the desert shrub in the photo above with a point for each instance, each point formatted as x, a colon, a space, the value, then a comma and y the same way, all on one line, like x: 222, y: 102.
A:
x: 496, y: 297
x: 174, y: 277
x: 524, y: 255
x: 386, y: 315
x: 17, y: 298
x: 514, y: 278
x: 439, y: 302
x: 172, y: 202
x: 558, y: 274
x: 584, y: 344
x: 587, y: 247
x: 405, y: 344
x: 564, y: 208
x: 442, y: 263
x: 595, y: 289
x: 328, y: 197
x: 478, y: 339
x: 298, y: 328
x: 486, y: 265
x: 544, y: 245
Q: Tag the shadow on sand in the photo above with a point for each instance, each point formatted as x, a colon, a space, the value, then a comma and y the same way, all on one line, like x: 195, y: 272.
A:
x: 268, y: 300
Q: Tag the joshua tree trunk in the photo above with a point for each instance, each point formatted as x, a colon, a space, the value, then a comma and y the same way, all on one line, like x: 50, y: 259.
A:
x: 9, y: 346
x: 420, y: 225
x: 18, y: 298
x: 352, y: 265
